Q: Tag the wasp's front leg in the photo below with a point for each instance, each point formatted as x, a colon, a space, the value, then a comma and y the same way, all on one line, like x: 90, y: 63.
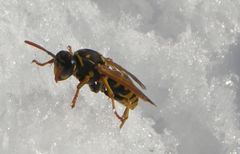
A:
x: 111, y: 95
x: 79, y: 86
x: 69, y: 48
x: 42, y: 64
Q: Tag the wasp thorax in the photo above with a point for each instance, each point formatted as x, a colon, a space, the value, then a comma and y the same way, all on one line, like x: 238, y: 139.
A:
x: 63, y: 66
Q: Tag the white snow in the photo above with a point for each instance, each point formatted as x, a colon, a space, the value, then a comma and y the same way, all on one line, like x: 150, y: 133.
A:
x: 180, y: 49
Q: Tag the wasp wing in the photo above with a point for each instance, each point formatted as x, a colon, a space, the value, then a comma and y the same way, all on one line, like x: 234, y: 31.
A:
x: 115, y: 75
x: 120, y: 68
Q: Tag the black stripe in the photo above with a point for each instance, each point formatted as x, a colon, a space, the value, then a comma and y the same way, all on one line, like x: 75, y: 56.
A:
x: 133, y: 95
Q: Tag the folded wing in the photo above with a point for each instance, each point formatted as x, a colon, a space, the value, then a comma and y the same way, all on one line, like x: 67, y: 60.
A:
x: 116, y: 75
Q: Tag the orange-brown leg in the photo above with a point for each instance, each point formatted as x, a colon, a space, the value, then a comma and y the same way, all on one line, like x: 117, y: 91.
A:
x: 111, y: 95
x: 129, y: 105
x: 42, y: 64
x: 124, y: 117
x: 79, y: 86
x: 70, y: 49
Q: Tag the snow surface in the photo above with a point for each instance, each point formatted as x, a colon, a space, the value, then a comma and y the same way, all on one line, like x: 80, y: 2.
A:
x: 185, y: 51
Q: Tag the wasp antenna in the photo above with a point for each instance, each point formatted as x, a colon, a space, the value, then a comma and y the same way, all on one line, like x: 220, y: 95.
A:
x: 39, y: 47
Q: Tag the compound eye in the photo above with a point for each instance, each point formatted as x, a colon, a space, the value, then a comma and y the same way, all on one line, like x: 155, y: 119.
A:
x: 64, y: 58
x: 61, y: 57
x: 61, y: 61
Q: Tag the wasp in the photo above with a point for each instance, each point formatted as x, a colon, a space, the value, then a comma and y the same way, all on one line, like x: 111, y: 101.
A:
x: 100, y: 73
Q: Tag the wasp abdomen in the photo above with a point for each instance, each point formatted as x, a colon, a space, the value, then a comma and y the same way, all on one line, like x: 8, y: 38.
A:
x: 122, y: 94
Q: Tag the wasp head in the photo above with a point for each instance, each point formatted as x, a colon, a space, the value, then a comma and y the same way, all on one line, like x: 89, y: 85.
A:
x: 63, y: 65
x: 63, y: 62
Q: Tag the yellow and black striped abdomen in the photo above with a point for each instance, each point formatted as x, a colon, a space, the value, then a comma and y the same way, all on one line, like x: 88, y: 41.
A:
x: 123, y: 95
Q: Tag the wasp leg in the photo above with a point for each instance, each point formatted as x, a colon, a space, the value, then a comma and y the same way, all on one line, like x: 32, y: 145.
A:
x: 124, y: 117
x: 129, y: 105
x: 70, y: 49
x: 79, y: 86
x: 111, y: 95
x: 42, y: 64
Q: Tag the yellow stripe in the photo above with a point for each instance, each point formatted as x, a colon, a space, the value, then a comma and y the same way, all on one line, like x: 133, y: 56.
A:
x: 91, y: 61
x: 133, y: 99
x: 91, y: 73
x: 80, y: 60
x: 116, y: 85
x: 127, y: 96
x: 88, y: 56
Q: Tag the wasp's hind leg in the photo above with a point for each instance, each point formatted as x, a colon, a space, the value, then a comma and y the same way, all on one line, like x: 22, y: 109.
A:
x: 111, y: 95
x: 42, y: 64
x: 124, y: 117
x: 129, y: 105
